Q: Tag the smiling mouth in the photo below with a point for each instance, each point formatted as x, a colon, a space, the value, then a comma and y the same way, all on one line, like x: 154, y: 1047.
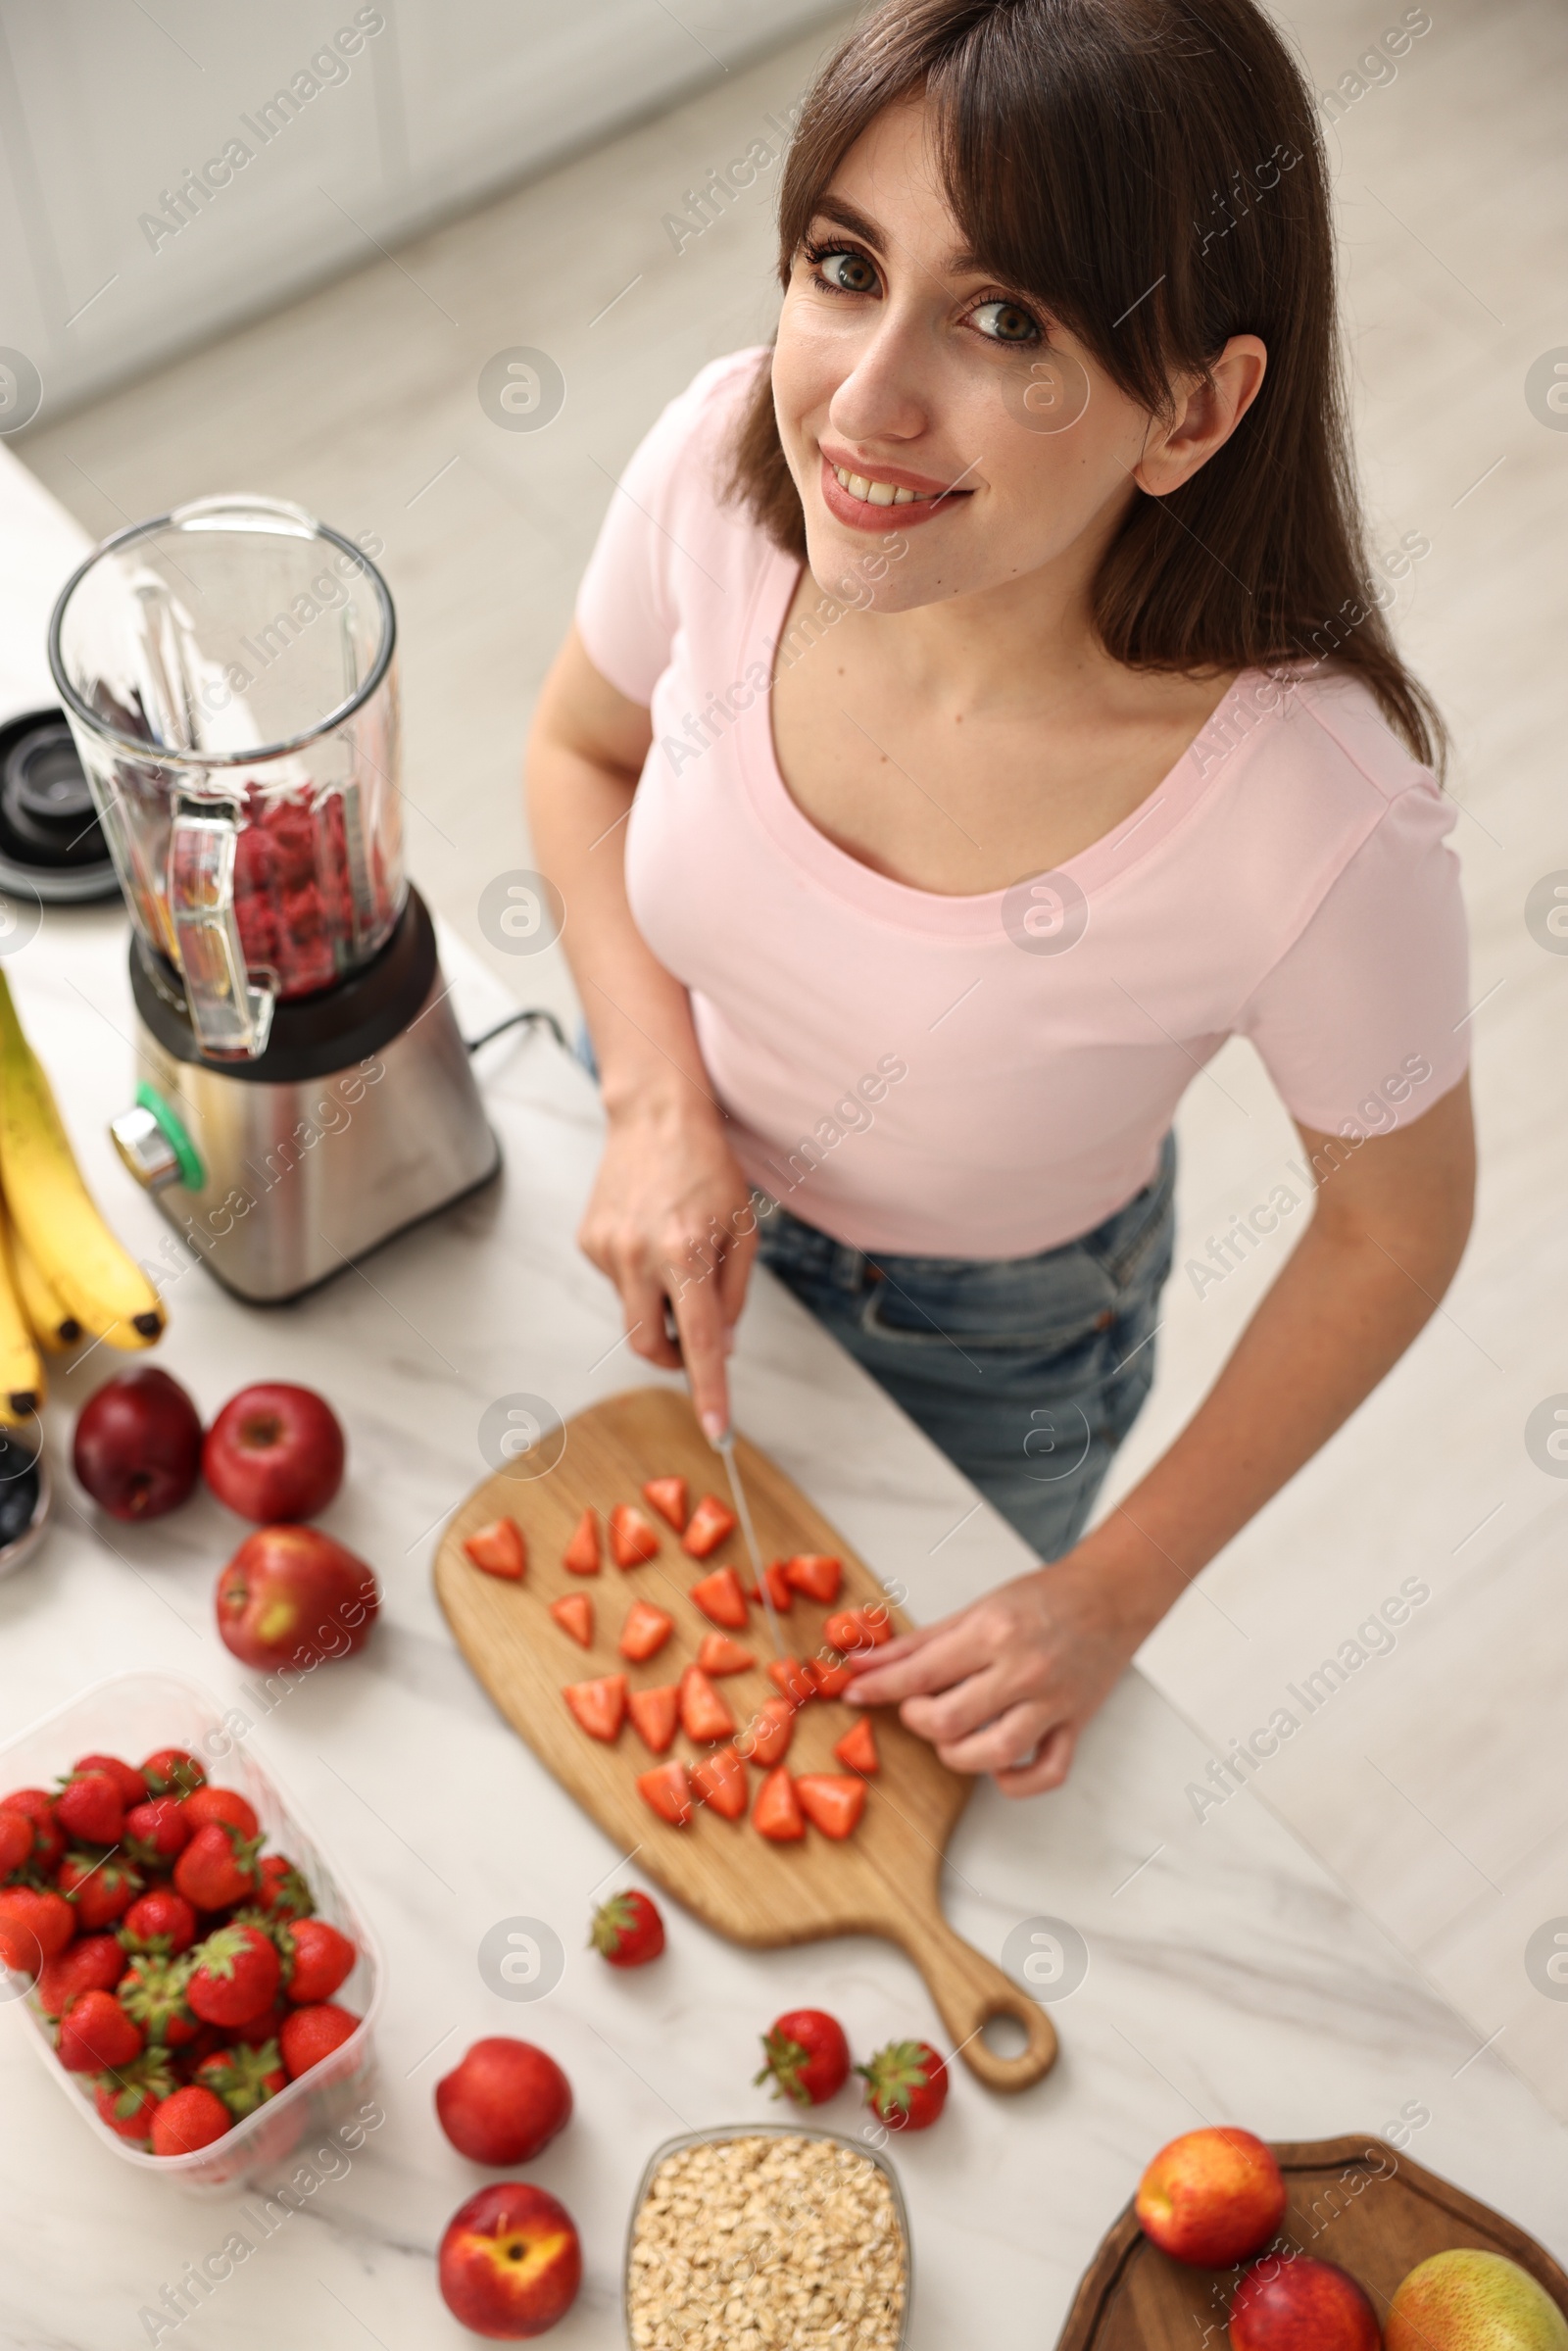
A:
x: 871, y: 492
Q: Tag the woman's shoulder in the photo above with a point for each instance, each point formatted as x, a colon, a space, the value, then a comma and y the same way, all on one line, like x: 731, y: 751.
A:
x: 1311, y: 723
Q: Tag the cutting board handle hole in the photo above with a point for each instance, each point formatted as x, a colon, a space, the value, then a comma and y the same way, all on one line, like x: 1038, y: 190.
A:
x: 1005, y: 2035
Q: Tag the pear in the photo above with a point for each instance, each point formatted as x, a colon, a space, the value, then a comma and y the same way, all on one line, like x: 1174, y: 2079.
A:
x: 1465, y: 2300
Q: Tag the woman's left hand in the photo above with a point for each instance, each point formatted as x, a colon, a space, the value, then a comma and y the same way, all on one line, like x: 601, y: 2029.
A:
x: 1007, y: 1686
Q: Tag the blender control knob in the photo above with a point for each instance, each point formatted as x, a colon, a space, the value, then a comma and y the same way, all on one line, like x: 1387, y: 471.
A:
x: 145, y: 1149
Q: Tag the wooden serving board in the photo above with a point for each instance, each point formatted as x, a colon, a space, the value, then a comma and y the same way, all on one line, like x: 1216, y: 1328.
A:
x: 884, y: 1878
x: 1357, y: 2202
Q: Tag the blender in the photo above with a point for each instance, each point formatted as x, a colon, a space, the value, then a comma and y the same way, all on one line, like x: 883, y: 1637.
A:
x: 228, y: 675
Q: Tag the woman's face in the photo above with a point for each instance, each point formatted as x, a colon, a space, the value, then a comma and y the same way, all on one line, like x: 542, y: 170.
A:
x: 902, y: 366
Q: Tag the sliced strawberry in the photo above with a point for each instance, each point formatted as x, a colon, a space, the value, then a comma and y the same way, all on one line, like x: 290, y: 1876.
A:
x: 832, y: 1802
x: 573, y: 1612
x: 792, y: 1680
x: 712, y: 1521
x: 600, y: 1706
x: 654, y: 1715
x: 815, y: 1574
x: 581, y: 1553
x: 780, y: 1590
x: 857, y: 1629
x: 499, y: 1548
x: 667, y: 1495
x: 645, y: 1632
x: 223, y: 1804
x: 96, y: 2034
x: 721, y: 1599
x: 631, y: 1538
x: 776, y: 1813
x: 856, y: 1749
x: 667, y: 1791
x: 830, y: 1678
x: 704, y: 1714
x: 720, y: 1781
x: 765, y: 1740
x: 720, y: 1654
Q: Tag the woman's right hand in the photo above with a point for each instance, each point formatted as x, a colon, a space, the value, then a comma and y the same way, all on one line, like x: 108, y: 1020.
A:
x: 671, y: 1218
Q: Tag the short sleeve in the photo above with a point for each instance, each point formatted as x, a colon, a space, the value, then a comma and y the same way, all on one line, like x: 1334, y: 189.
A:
x: 627, y: 605
x: 1363, y: 1022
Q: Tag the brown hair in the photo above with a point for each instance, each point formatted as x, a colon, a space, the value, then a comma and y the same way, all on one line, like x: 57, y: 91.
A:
x: 1150, y: 171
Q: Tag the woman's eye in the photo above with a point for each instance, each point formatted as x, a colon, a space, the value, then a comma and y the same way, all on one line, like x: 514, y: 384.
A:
x: 1005, y: 322
x: 846, y: 272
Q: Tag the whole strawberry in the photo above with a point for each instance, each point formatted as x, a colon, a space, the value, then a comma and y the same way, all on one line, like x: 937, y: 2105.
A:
x: 808, y: 2056
x: 281, y: 1890
x: 311, y: 2033
x: 153, y: 1993
x: 317, y: 1959
x: 236, y: 1975
x: 206, y: 1804
x: 627, y: 1929
x: 132, y: 1784
x: 92, y: 1963
x: 90, y: 1806
x: 244, y: 2078
x: 16, y: 1841
x: 188, y: 2119
x: 906, y: 2085
x: 157, y: 1832
x: 218, y: 1868
x: 100, y: 1888
x: 128, y: 2098
x: 37, y: 1805
x: 96, y: 2035
x: 258, y: 2029
x: 170, y: 1772
x: 36, y: 1925
x: 160, y: 1921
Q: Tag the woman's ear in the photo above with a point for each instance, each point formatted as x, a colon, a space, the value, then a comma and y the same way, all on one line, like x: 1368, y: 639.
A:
x: 1207, y: 413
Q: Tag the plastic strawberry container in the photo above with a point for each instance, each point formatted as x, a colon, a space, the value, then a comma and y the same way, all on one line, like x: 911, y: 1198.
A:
x: 130, y: 1715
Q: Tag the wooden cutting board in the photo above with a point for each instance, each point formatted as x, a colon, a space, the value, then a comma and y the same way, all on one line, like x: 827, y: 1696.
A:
x: 884, y: 1879
x: 1356, y: 2202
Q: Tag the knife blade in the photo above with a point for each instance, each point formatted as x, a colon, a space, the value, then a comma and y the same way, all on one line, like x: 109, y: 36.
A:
x: 725, y: 1444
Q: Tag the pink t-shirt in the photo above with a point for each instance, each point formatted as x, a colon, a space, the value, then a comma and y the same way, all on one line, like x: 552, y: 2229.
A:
x: 988, y: 1076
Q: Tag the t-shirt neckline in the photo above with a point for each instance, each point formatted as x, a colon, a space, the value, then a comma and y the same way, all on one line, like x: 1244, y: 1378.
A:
x: 835, y: 871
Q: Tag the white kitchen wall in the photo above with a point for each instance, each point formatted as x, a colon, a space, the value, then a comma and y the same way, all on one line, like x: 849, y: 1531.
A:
x: 389, y: 117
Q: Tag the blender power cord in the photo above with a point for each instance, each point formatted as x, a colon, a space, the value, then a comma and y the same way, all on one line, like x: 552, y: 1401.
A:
x: 515, y: 1020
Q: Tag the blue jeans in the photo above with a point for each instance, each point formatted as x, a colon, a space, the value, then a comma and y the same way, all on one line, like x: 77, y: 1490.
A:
x: 1028, y: 1372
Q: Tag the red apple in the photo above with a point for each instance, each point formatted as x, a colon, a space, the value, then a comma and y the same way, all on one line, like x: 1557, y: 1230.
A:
x: 1211, y: 2197
x: 504, y: 2102
x: 1289, y: 2302
x: 509, y: 2263
x: 274, y: 1452
x: 137, y: 1449
x: 293, y: 1597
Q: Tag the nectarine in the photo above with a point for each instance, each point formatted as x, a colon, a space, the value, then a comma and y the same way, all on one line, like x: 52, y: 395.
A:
x: 1211, y: 2197
x: 510, y: 2262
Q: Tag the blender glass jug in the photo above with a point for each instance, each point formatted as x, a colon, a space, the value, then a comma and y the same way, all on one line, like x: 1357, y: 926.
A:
x: 228, y: 672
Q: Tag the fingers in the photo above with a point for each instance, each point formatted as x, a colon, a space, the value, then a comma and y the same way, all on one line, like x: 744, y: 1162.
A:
x: 919, y: 1663
x: 967, y: 1706
x: 703, y: 1334
x: 1050, y: 1767
x: 998, y: 1744
x: 642, y: 1303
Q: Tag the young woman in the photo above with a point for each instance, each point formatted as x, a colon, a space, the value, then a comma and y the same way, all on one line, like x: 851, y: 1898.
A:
x: 1004, y: 715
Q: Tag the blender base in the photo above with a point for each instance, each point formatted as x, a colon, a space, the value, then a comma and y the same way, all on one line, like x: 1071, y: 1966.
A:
x: 302, y: 1175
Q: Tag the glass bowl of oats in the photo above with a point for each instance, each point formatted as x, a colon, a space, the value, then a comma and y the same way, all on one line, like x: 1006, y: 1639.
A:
x: 768, y: 2237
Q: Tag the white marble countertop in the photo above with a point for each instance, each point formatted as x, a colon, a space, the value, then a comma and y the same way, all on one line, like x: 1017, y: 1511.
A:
x: 1229, y: 1978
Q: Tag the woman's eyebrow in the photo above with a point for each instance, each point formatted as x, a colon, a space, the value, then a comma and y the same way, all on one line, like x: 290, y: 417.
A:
x: 844, y: 214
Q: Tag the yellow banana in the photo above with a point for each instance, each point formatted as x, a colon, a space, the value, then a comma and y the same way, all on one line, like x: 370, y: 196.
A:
x: 21, y: 1368
x: 53, y: 1326
x: 101, y: 1287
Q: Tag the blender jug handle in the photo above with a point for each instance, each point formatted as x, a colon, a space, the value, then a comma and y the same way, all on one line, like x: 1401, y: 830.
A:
x: 231, y: 1015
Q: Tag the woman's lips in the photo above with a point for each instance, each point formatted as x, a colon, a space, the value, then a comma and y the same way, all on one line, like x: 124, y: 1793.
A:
x: 859, y: 514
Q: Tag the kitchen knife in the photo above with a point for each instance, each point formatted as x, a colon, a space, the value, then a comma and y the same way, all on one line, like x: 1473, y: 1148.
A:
x: 725, y: 1444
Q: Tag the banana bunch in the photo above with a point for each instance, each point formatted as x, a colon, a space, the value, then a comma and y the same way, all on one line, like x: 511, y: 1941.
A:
x: 62, y: 1274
